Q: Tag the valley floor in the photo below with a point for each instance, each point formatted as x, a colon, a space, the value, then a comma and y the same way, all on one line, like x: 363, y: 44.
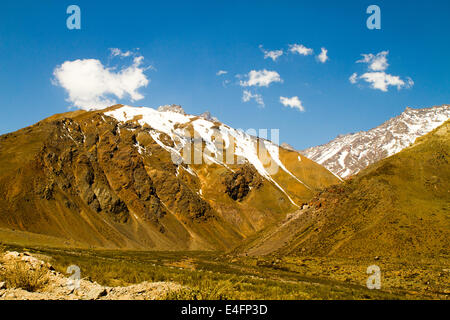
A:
x: 210, y: 275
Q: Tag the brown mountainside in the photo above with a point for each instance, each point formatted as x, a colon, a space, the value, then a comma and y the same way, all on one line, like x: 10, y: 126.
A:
x: 93, y: 178
x: 398, y: 207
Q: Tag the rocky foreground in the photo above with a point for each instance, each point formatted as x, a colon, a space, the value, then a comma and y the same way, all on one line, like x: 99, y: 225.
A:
x: 51, y: 285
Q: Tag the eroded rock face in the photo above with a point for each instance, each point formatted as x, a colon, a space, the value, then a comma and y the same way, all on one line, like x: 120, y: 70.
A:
x: 109, y: 175
x: 104, y: 173
x: 239, y: 183
x: 72, y: 164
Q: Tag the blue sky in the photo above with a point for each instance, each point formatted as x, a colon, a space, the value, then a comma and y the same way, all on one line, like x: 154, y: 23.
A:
x: 187, y: 42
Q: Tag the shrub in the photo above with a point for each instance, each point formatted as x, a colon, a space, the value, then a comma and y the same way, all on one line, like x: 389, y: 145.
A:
x: 20, y: 275
x: 206, y: 290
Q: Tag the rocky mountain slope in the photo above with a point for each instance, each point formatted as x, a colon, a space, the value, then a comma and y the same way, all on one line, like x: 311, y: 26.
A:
x: 398, y: 207
x: 128, y: 177
x: 348, y: 154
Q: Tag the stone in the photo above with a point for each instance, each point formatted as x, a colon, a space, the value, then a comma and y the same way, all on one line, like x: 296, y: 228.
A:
x: 96, y: 293
x: 171, y: 108
x: 11, y: 255
x: 207, y: 116
x: 287, y: 146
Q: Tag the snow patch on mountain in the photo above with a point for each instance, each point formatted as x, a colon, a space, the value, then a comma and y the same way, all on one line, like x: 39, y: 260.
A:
x: 216, y: 136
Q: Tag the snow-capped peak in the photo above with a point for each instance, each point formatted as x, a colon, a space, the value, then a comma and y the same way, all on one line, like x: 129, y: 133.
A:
x: 348, y: 154
x: 217, y: 138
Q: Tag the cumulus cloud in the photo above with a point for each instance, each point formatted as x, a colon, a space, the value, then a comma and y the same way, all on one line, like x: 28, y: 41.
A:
x: 376, y: 75
x: 376, y: 62
x: 300, y: 49
x: 381, y: 80
x: 261, y: 78
x: 323, y: 57
x: 293, y: 102
x: 221, y: 72
x: 90, y: 85
x: 247, y: 96
x: 353, y: 78
x: 274, y: 54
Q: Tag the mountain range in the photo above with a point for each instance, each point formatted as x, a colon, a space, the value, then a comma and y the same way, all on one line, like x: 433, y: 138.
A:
x: 141, y: 178
x: 348, y: 154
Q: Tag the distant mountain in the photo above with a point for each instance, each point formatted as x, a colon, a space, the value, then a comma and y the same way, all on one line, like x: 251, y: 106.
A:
x: 397, y: 207
x: 127, y: 177
x: 348, y: 154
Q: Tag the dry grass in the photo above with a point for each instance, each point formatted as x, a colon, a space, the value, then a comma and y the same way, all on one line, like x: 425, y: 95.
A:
x: 20, y: 275
x: 206, y: 290
x: 212, y: 276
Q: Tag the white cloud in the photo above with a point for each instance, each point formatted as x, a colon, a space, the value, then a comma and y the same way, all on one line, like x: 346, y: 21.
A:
x: 91, y: 85
x: 274, y: 54
x: 261, y: 78
x: 353, y: 78
x: 293, y: 102
x: 323, y: 57
x: 221, y: 72
x: 300, y: 49
x: 247, y: 96
x: 381, y: 80
x: 376, y: 75
x: 117, y: 52
x: 376, y: 62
